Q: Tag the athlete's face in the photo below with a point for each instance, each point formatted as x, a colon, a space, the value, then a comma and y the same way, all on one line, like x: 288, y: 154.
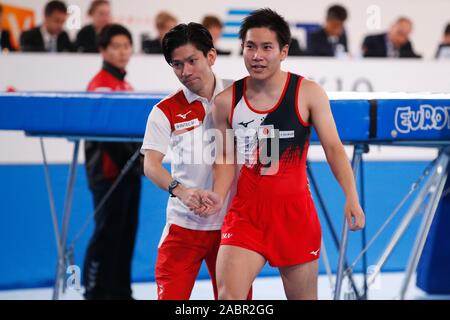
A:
x: 262, y: 53
x: 191, y: 67
x: 118, y: 52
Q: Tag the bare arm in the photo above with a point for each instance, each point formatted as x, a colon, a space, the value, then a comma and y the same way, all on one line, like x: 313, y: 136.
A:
x: 224, y: 166
x: 322, y: 119
x: 154, y: 170
x: 211, y: 202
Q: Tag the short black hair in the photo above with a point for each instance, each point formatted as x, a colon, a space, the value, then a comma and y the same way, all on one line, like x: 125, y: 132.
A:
x: 53, y: 6
x: 447, y: 29
x: 337, y: 12
x: 109, y: 31
x: 182, y: 34
x: 267, y: 18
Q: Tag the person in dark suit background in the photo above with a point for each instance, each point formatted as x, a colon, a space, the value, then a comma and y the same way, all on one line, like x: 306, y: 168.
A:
x: 100, y: 13
x: 393, y: 44
x: 215, y: 27
x: 295, y: 49
x: 330, y: 40
x: 50, y: 36
x: 164, y: 22
x: 5, y: 40
x: 443, y: 51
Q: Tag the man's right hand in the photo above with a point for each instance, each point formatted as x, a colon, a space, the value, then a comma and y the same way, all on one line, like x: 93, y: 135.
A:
x: 190, y: 197
x: 212, y: 203
x: 203, y: 202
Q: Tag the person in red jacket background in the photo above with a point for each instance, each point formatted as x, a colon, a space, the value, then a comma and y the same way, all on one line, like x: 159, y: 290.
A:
x: 107, y: 265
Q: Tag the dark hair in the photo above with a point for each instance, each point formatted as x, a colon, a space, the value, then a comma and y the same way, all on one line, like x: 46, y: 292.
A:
x: 95, y: 4
x: 337, y: 12
x: 193, y: 33
x: 267, y: 18
x: 447, y: 29
x: 109, y: 31
x: 53, y: 6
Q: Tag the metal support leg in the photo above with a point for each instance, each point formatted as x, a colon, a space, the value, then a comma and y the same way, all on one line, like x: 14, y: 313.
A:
x: 404, y: 224
x: 357, y: 158
x: 363, y: 231
x: 326, y: 214
x: 51, y: 199
x: 59, y: 279
x: 441, y: 178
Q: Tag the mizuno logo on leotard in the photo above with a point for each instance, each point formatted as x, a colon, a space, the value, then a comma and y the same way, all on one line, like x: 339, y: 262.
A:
x: 183, y: 116
x: 245, y: 124
x: 315, y: 253
x: 226, y: 235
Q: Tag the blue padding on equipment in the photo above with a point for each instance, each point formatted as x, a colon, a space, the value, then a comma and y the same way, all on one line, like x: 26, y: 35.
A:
x: 413, y: 120
x: 113, y: 115
x: 352, y: 120
x: 84, y: 114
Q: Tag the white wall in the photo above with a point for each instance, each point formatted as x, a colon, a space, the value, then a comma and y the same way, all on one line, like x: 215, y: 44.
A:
x: 72, y: 72
x: 67, y: 72
x: 429, y: 17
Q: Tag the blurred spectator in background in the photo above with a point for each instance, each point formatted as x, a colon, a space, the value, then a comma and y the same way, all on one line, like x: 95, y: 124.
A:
x: 164, y: 22
x: 330, y: 40
x: 50, y: 36
x: 5, y: 40
x: 443, y: 52
x: 393, y: 44
x: 294, y: 48
x: 100, y: 13
x: 215, y: 27
x: 107, y: 264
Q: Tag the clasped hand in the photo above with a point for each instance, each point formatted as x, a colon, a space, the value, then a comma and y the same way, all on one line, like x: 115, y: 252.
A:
x: 203, y: 203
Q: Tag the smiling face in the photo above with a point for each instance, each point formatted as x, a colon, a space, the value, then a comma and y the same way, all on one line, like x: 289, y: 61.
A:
x: 192, y: 68
x: 262, y: 53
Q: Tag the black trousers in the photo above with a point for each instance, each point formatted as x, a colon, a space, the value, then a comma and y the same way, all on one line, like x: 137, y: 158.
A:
x: 107, y: 264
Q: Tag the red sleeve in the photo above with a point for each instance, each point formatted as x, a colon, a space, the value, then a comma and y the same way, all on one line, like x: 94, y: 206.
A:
x: 102, y: 82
